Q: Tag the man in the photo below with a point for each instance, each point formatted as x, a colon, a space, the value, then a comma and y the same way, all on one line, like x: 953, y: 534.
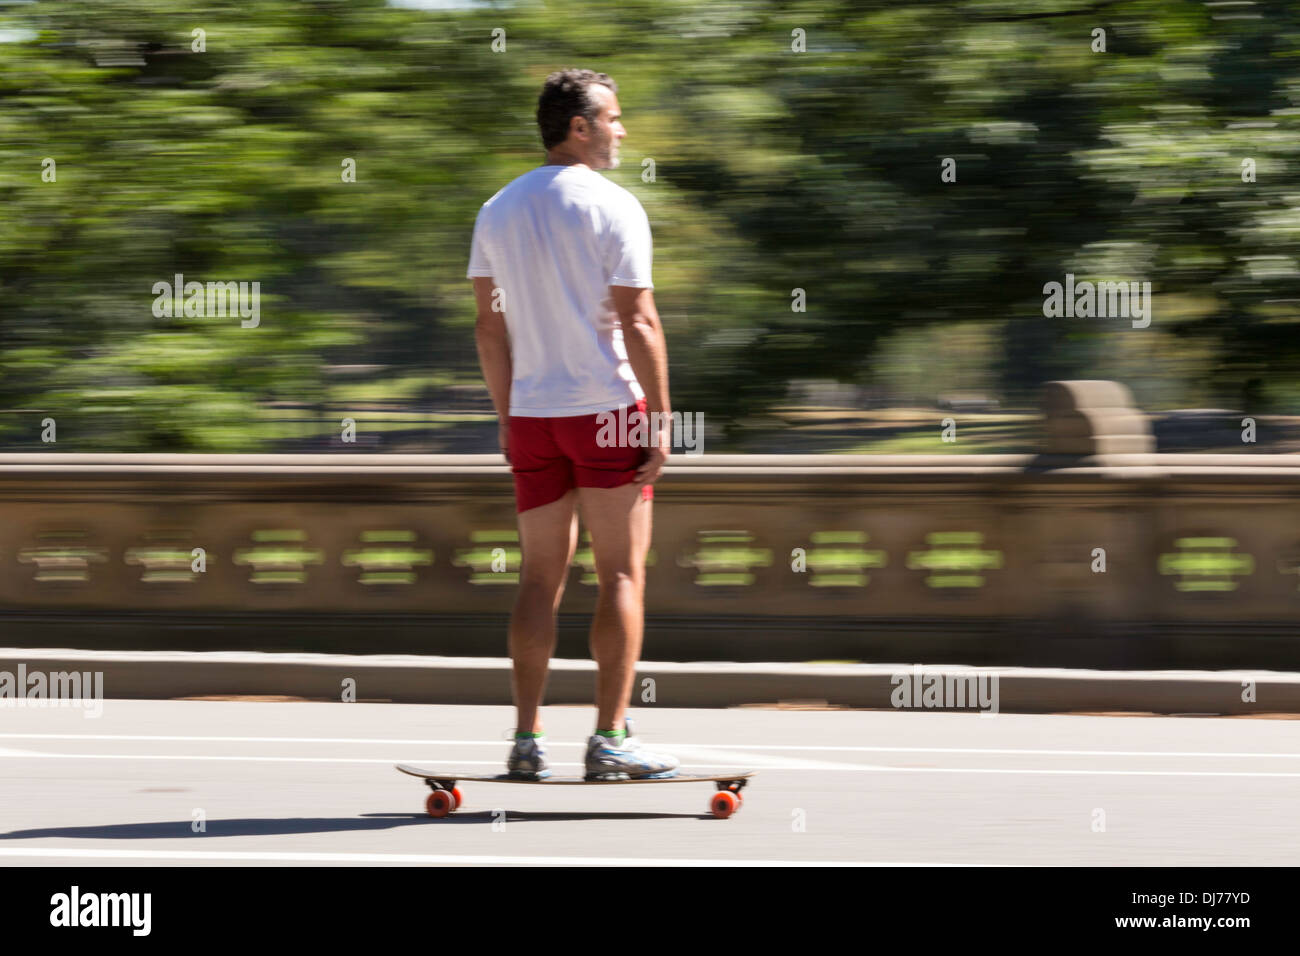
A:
x: 567, y: 330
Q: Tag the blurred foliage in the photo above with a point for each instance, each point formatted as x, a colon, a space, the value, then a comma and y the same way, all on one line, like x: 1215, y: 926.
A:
x: 774, y: 170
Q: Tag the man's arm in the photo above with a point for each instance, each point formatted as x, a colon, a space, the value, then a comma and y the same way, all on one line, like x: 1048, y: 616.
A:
x: 647, y: 353
x: 643, y: 337
x: 493, y: 341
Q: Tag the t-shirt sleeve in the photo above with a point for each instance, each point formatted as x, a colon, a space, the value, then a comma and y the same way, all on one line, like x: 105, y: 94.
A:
x: 479, y: 264
x: 629, y: 251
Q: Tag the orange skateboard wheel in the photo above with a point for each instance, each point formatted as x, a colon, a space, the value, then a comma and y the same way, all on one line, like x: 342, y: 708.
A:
x: 440, y: 803
x: 724, y: 804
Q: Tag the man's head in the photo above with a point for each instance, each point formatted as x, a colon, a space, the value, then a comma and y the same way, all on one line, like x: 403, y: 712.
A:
x: 578, y: 114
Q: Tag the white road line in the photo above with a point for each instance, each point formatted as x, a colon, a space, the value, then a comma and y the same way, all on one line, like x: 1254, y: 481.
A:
x: 416, y: 761
x: 248, y: 758
x: 556, y: 744
x: 410, y: 858
x: 861, y: 768
x: 717, y: 757
x: 282, y: 740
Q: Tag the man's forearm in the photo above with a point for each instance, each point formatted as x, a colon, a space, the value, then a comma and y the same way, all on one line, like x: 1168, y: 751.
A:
x: 647, y: 353
x: 494, y: 362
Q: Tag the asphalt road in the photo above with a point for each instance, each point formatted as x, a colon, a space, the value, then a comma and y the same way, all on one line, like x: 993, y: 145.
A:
x: 312, y: 783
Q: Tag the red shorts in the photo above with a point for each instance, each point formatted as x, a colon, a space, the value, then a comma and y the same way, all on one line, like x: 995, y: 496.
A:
x: 551, y: 456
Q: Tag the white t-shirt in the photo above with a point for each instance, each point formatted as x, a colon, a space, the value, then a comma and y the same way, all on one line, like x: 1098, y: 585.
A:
x: 554, y: 240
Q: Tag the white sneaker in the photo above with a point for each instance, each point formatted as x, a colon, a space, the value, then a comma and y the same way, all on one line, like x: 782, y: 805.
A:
x: 527, y: 760
x: 623, y: 758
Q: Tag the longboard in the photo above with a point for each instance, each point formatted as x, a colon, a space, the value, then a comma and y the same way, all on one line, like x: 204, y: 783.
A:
x: 446, y: 796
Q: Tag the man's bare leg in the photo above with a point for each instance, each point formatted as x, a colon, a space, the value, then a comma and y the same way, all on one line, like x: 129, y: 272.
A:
x: 548, y: 536
x: 620, y: 525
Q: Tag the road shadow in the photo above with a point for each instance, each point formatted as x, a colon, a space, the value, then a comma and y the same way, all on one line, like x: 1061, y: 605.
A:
x: 480, y: 817
x: 172, y: 829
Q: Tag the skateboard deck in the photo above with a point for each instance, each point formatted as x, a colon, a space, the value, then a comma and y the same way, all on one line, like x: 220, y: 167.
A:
x: 446, y: 796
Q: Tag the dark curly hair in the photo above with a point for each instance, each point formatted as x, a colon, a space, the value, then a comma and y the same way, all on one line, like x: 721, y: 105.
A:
x: 567, y: 93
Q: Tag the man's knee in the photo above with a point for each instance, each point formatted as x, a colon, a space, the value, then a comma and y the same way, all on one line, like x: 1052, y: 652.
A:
x: 540, y: 589
x: 619, y: 581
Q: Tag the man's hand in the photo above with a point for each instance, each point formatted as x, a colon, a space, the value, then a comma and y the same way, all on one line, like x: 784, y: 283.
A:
x: 656, y: 458
x: 503, y: 439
